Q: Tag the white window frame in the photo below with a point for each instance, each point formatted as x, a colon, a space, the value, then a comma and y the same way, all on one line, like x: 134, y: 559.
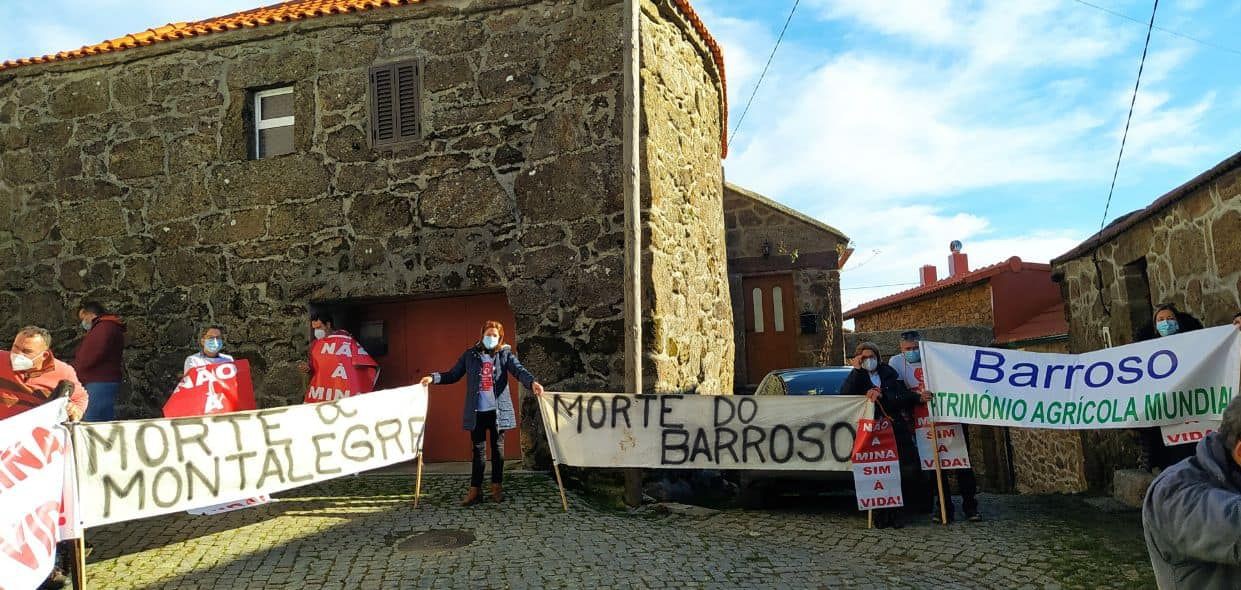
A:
x: 260, y: 124
x: 757, y: 294
x: 777, y: 312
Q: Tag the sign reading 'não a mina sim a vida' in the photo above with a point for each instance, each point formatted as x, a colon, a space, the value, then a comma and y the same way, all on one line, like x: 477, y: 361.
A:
x: 1159, y: 382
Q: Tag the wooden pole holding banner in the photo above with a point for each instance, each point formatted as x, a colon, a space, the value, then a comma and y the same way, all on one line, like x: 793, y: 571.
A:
x: 870, y: 519
x: 79, y: 562
x: 418, y: 480
x: 939, y: 472
x: 564, y: 502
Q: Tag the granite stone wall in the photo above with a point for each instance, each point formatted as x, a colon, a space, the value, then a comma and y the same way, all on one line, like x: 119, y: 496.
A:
x: 970, y: 306
x: 1190, y: 255
x: 130, y: 182
x: 688, y: 318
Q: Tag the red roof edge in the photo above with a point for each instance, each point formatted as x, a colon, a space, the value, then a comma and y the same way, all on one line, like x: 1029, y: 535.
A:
x: 1013, y: 264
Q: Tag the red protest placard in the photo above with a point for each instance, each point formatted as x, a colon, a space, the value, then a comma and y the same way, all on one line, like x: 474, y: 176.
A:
x: 341, y: 369
x: 212, y: 389
x: 876, y: 466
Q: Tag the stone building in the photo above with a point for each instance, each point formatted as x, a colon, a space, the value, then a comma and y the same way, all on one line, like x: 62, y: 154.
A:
x: 1012, y: 304
x: 415, y: 166
x: 1184, y: 248
x: 783, y: 272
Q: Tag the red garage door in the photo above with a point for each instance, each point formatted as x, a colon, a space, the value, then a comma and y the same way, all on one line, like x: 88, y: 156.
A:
x: 429, y: 335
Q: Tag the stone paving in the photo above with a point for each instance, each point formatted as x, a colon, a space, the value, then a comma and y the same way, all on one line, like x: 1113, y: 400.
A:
x: 343, y: 535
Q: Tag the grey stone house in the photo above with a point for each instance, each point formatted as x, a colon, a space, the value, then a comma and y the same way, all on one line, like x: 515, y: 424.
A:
x: 783, y: 274
x: 416, y: 166
x: 1183, y: 248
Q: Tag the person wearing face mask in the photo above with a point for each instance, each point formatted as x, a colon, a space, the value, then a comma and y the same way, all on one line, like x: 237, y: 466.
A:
x: 908, y: 365
x: 210, y: 342
x: 488, y: 411
x: 1236, y: 321
x: 338, y: 367
x: 99, y: 359
x: 882, y: 385
x: 1167, y: 321
x: 29, y: 374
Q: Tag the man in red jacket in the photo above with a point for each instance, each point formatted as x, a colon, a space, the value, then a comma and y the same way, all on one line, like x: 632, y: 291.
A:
x: 99, y: 360
x: 29, y: 374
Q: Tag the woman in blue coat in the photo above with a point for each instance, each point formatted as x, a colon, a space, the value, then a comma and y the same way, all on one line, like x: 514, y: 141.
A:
x: 486, y: 367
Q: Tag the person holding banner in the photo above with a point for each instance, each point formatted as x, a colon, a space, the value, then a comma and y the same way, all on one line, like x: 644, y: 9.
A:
x: 1236, y: 320
x: 210, y: 342
x: 908, y: 365
x: 1191, y: 516
x: 338, y: 367
x: 488, y: 411
x: 29, y: 374
x: 1167, y: 321
x: 882, y: 385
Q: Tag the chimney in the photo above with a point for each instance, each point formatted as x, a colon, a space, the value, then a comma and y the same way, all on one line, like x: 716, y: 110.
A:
x: 928, y: 274
x: 958, y: 262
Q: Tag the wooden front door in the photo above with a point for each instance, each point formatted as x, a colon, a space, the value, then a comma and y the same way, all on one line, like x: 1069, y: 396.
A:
x: 429, y: 335
x: 770, y: 331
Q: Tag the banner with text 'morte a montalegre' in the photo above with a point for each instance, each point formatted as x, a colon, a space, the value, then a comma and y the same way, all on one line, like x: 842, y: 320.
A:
x: 1160, y: 382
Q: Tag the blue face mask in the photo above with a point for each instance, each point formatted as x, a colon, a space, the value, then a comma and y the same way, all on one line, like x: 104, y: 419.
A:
x: 1167, y: 327
x: 913, y: 356
x: 213, y: 345
x: 490, y: 342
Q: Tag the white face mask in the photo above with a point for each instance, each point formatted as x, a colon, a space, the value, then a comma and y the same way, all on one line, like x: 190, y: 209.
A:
x: 86, y: 324
x: 20, y: 362
x: 319, y: 333
x: 490, y: 342
x: 870, y: 364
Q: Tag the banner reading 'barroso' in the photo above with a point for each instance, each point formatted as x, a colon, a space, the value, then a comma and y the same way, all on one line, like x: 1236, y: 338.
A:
x: 702, y: 431
x: 1159, y: 382
x: 139, y: 468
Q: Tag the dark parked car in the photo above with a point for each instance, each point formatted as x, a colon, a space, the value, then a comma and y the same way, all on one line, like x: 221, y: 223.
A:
x: 757, y: 486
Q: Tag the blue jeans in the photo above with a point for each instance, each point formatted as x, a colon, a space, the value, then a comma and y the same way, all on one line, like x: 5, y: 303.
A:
x: 101, y: 407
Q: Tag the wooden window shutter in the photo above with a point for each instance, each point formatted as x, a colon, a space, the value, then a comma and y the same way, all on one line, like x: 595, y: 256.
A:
x: 395, y: 103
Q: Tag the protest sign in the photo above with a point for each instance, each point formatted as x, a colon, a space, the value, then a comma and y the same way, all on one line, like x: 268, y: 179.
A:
x: 139, y: 468
x: 876, y: 466
x: 1188, y: 432
x: 340, y: 368
x: 1166, y: 381
x: 953, y: 453
x: 36, y: 488
x: 212, y: 389
x: 701, y: 431
x: 217, y: 388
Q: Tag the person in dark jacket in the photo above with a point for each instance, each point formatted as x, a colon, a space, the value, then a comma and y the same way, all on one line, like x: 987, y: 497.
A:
x: 99, y: 360
x: 488, y: 411
x: 1168, y: 320
x: 882, y: 384
x: 1191, y: 516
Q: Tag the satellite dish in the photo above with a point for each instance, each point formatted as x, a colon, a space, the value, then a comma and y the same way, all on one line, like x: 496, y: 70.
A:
x: 955, y: 246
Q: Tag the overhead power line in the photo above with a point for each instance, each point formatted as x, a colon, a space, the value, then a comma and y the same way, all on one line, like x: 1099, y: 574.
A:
x: 1128, y: 119
x: 1161, y: 29
x: 763, y: 74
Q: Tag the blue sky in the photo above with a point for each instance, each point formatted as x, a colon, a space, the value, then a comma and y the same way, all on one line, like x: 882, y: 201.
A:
x: 910, y: 123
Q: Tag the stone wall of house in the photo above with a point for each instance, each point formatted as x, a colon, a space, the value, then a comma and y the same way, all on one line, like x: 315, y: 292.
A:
x: 970, y: 306
x: 1190, y: 252
x: 809, y: 252
x: 688, y: 319
x: 130, y: 183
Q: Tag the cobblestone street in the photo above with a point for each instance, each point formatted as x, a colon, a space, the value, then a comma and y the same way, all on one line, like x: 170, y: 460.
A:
x: 344, y: 535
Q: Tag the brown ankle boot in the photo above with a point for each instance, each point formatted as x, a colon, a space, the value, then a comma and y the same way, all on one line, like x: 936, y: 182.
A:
x: 497, y: 492
x: 475, y: 496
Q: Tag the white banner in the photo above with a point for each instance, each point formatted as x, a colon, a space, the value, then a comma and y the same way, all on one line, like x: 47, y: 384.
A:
x: 1165, y: 381
x: 139, y: 468
x: 36, y: 493
x: 702, y: 431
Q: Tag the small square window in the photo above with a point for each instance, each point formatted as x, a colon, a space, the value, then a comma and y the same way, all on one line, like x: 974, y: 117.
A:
x: 273, y: 122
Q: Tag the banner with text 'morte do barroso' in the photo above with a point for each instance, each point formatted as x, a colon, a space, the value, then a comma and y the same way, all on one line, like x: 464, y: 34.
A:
x: 139, y: 468
x: 702, y: 431
x: 1162, y: 382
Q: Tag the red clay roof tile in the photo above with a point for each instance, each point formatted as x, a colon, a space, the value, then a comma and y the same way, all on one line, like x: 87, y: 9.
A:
x: 1013, y: 264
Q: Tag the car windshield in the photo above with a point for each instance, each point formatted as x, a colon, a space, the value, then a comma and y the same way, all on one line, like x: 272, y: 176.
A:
x: 822, y: 382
